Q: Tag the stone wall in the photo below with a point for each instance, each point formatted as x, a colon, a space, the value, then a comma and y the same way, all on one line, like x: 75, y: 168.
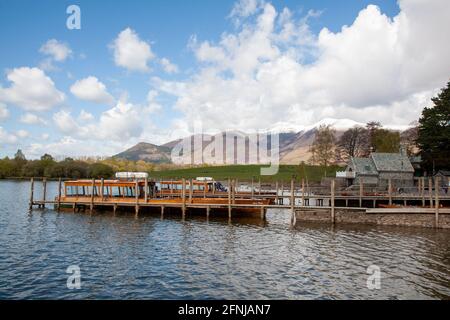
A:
x: 399, y: 179
x: 360, y: 216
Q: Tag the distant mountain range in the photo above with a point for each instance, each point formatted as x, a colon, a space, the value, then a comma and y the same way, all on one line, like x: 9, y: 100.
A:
x: 294, y: 143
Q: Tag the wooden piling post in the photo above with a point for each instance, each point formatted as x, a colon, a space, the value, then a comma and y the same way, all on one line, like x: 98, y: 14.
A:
x: 276, y: 188
x: 91, y: 207
x: 190, y: 190
x: 361, y: 191
x: 208, y: 209
x: 333, y: 186
x: 136, y: 195
x: 162, y: 211
x: 44, y: 191
x: 59, y: 193
x: 183, y: 194
x: 436, y: 192
x: 229, y: 198
x: 303, y: 192
x: 390, y: 191
x: 292, y: 201
x: 259, y: 188
x: 102, y: 188
x: 253, y: 188
x: 263, y: 213
x: 31, y: 193
x: 233, y: 191
x: 430, y: 191
x: 146, y: 190
x: 422, y: 190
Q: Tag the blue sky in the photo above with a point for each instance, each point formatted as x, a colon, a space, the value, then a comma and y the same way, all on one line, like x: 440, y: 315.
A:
x: 183, y: 32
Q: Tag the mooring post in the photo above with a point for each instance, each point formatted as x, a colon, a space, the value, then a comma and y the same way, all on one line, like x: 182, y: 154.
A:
x: 229, y: 198
x: 59, y: 193
x: 162, y: 212
x: 91, y: 207
x: 44, y: 191
x: 303, y: 192
x: 259, y: 187
x: 146, y: 190
x: 190, y: 190
x: 233, y: 191
x: 136, y: 194
x: 422, y: 190
x: 114, y: 208
x: 292, y: 202
x: 183, y: 194
x: 436, y: 192
x: 333, y: 186
x: 430, y: 191
x: 102, y: 189
x: 361, y: 191
x: 208, y: 209
x: 31, y: 193
x: 263, y: 213
x: 390, y: 191
x: 276, y: 195
x: 253, y: 188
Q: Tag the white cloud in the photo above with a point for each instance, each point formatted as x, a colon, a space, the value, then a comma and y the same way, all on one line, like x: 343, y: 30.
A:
x: 30, y: 118
x: 22, y: 134
x: 4, y: 112
x: 58, y: 51
x: 152, y: 106
x: 85, y: 116
x: 120, y: 123
x: 31, y: 89
x: 244, y: 9
x: 273, y: 69
x: 168, y: 66
x: 91, y: 89
x: 130, y: 52
x: 6, y: 137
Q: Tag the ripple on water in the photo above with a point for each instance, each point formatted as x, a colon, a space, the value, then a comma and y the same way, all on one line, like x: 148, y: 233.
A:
x: 123, y: 257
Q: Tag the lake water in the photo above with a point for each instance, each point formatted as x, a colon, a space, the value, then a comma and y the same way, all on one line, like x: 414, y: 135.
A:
x: 127, y: 258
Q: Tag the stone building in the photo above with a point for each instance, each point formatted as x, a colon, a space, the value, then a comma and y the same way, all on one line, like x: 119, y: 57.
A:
x: 377, y: 169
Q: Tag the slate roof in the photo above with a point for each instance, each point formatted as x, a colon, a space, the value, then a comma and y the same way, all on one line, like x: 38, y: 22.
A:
x: 394, y: 162
x: 364, y: 166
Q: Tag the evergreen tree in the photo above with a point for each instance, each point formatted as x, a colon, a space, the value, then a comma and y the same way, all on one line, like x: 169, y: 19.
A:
x: 434, y: 133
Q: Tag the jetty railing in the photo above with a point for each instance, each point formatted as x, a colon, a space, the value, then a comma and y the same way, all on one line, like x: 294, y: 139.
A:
x: 291, y: 195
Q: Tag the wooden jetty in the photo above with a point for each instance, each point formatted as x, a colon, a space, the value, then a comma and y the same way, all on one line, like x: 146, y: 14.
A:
x: 231, y: 198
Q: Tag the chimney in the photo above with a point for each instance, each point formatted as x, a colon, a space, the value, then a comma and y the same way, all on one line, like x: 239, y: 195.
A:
x: 403, y: 151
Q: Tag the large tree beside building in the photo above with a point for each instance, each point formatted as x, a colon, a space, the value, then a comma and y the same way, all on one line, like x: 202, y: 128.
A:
x: 323, y: 147
x: 353, y: 143
x: 434, y: 133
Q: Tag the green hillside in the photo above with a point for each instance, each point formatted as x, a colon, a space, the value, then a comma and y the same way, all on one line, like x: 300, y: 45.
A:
x: 246, y: 172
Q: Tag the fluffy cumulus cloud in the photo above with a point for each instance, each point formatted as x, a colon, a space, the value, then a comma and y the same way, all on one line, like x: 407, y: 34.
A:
x: 58, y: 51
x: 91, y: 89
x: 273, y: 69
x: 168, y: 66
x: 7, y: 137
x: 122, y: 122
x: 4, y: 112
x: 131, y: 52
x: 32, y: 119
x: 54, y: 51
x: 31, y: 89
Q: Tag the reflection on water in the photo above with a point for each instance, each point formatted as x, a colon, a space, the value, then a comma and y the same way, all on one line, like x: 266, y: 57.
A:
x: 124, y: 257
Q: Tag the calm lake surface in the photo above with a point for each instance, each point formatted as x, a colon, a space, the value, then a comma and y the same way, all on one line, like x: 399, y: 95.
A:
x: 121, y: 257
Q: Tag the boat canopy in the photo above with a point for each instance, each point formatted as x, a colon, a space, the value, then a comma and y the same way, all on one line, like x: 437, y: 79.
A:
x: 131, y: 175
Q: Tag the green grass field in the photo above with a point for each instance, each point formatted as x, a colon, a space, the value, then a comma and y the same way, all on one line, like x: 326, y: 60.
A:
x: 246, y: 172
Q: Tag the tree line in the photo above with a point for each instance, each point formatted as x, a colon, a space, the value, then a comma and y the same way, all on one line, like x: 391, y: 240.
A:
x: 428, y: 138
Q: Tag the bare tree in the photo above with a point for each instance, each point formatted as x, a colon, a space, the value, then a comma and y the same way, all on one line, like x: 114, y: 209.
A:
x: 408, y: 138
x: 323, y: 147
x: 353, y: 143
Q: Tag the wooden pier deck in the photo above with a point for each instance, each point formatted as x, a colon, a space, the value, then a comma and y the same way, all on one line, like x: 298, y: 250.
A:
x: 297, y: 197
